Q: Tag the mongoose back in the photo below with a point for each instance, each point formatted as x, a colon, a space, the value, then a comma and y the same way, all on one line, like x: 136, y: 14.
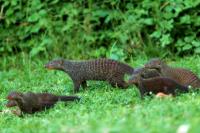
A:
x: 33, y: 102
x: 180, y: 75
x: 144, y: 73
x: 99, y: 69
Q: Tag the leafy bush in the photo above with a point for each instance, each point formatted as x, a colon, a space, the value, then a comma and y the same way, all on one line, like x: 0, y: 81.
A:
x: 90, y: 28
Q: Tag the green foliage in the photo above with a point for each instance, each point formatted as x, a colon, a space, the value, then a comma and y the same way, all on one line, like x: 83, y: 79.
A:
x: 76, y: 28
x: 116, y: 53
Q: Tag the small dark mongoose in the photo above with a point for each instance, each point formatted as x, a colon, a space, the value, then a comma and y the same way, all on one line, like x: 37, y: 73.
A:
x: 148, y: 81
x: 99, y: 69
x: 180, y: 75
x: 159, y: 84
x: 33, y: 102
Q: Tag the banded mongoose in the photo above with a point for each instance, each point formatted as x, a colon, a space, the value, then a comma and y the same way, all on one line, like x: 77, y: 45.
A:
x: 33, y: 102
x: 159, y: 84
x: 180, y: 75
x: 148, y: 81
x: 96, y: 69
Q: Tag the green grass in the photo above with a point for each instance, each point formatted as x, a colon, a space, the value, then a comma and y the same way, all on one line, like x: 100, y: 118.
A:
x: 102, y: 108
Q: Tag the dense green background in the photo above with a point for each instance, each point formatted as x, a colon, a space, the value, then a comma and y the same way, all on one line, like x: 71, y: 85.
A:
x: 32, y: 32
x: 75, y: 28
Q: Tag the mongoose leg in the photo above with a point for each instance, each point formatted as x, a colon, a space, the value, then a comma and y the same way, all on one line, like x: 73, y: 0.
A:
x: 142, y: 90
x: 77, y: 85
x: 113, y: 82
x: 122, y: 84
x: 84, y: 84
x: 119, y: 81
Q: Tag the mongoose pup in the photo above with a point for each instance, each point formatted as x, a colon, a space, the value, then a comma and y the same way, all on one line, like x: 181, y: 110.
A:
x: 33, y: 102
x: 97, y: 69
x: 150, y: 82
x: 180, y: 75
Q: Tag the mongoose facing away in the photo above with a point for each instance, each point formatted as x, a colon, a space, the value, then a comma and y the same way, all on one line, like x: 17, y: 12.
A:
x: 97, y: 69
x: 180, y: 75
x: 148, y: 81
x: 33, y: 102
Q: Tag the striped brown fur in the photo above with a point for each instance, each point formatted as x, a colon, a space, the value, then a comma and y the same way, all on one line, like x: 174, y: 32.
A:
x: 149, y: 80
x: 180, y: 75
x: 96, y: 69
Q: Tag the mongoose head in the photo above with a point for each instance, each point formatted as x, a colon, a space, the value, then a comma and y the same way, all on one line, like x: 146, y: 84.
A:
x: 143, y: 73
x: 14, y: 95
x: 13, y: 98
x: 155, y: 63
x: 55, y: 64
x: 150, y: 73
x: 138, y: 70
x: 11, y: 103
x: 134, y: 77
